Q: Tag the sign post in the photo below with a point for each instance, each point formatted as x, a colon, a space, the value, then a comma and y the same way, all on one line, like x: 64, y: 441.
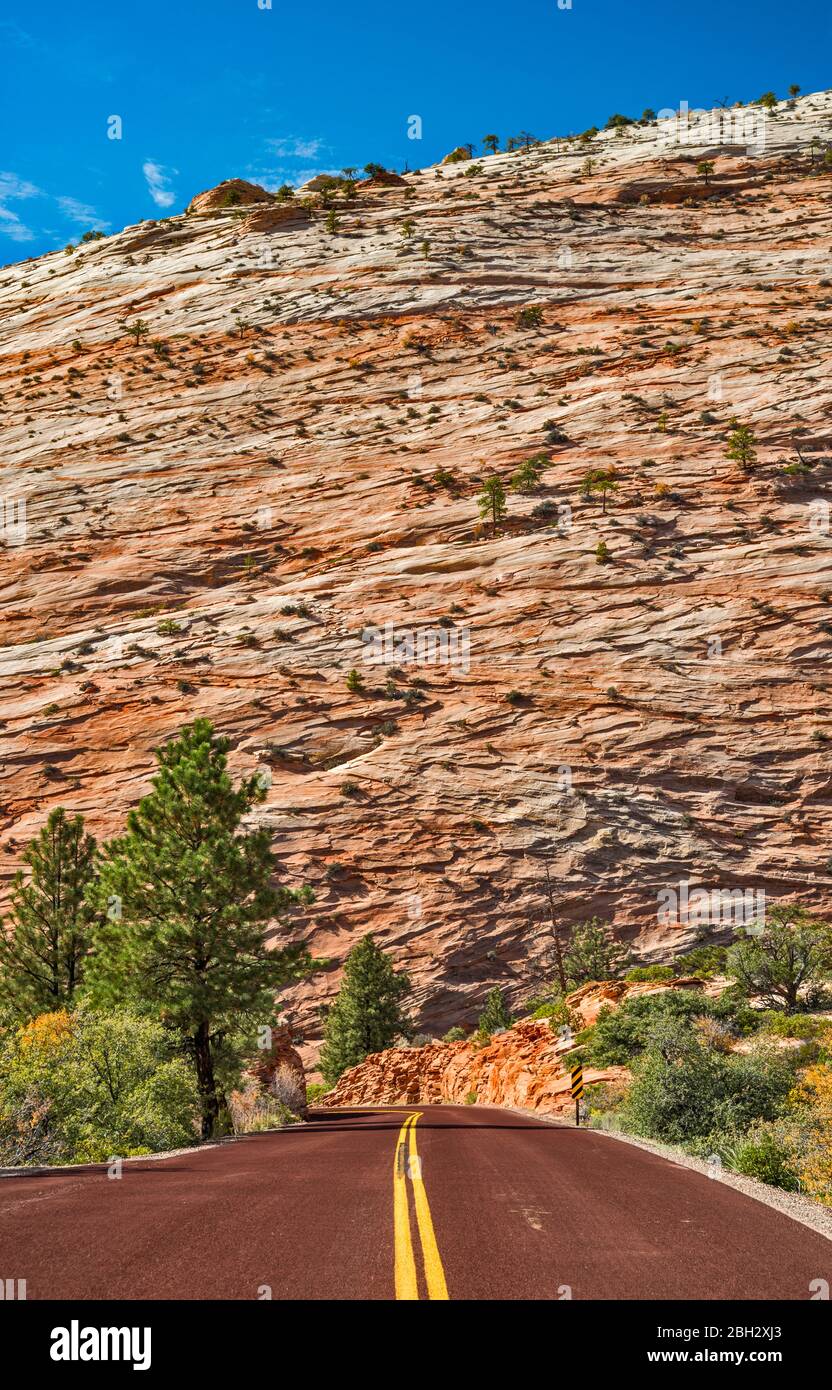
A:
x: 577, y: 1073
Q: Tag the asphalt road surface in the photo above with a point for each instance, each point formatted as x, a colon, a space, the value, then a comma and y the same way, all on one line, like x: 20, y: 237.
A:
x: 458, y: 1202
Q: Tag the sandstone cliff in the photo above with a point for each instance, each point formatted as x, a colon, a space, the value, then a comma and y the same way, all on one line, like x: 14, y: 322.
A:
x: 291, y: 456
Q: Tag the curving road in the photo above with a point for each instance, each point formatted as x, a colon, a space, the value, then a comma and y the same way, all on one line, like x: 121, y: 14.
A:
x: 459, y: 1203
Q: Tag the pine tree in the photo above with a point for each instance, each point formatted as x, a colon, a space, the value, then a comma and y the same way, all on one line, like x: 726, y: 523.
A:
x: 742, y: 445
x: 594, y: 954
x: 42, y: 948
x: 194, y: 895
x: 600, y: 480
x: 367, y: 1016
x: 492, y: 500
x: 527, y: 477
x: 495, y: 1015
x: 138, y: 329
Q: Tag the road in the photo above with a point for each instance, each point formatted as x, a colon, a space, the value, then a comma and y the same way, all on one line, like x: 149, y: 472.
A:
x: 445, y: 1202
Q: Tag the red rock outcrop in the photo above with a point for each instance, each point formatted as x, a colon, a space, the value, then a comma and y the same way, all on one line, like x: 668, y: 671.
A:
x: 521, y: 1067
x: 229, y: 193
x: 385, y: 178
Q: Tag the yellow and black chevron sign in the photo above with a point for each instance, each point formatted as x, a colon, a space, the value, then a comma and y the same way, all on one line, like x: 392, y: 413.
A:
x: 577, y: 1074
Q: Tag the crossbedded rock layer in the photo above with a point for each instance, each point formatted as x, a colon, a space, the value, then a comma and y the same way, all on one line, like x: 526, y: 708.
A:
x: 292, y: 455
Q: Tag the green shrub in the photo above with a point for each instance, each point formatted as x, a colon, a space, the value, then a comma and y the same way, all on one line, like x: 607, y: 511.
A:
x: 495, y: 1015
x: 455, y: 1034
x: 645, y: 973
x: 106, y: 1083
x: 530, y: 317
x: 621, y: 1034
x: 557, y: 1012
x: 594, y: 954
x: 315, y: 1090
x: 471, y: 1098
x: 704, y: 961
x: 551, y: 1003
x: 790, y: 1025
x: 788, y: 963
x: 766, y: 1155
x: 684, y: 1090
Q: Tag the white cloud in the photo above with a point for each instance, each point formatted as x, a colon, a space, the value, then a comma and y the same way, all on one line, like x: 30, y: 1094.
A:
x: 76, y: 211
x: 11, y: 186
x: 158, y: 181
x: 15, y: 36
x: 295, y: 147
x: 11, y: 226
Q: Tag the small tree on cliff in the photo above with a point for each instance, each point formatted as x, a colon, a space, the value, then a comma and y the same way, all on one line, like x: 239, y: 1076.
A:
x: 495, y: 1015
x: 492, y: 501
x: 42, y: 948
x: 188, y: 897
x: 138, y: 329
x: 367, y: 1016
x: 742, y: 445
x: 594, y: 954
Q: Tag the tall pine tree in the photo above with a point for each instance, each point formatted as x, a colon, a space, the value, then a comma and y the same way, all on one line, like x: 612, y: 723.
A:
x: 42, y: 946
x: 367, y: 1015
x: 192, y: 894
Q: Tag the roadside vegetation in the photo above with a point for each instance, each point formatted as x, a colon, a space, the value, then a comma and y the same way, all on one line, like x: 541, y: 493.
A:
x: 740, y: 1075
x: 135, y: 982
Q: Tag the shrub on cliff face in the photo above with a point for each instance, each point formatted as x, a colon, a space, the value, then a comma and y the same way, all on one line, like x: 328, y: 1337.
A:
x: 551, y: 1004
x: 594, y: 954
x: 644, y: 974
x: 495, y: 1015
x: 704, y: 961
x: 315, y: 1091
x: 492, y: 501
x: 455, y: 1034
x: 742, y: 446
x: 530, y: 317
x: 367, y: 1016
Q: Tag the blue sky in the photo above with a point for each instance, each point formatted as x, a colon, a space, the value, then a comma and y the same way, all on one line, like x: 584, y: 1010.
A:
x: 225, y: 88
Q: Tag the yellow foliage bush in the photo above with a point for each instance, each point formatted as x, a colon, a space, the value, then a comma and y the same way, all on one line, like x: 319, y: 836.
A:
x: 48, y: 1033
x: 814, y: 1161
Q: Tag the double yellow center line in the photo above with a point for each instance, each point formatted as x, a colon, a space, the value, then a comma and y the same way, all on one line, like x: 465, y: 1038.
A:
x: 408, y: 1165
